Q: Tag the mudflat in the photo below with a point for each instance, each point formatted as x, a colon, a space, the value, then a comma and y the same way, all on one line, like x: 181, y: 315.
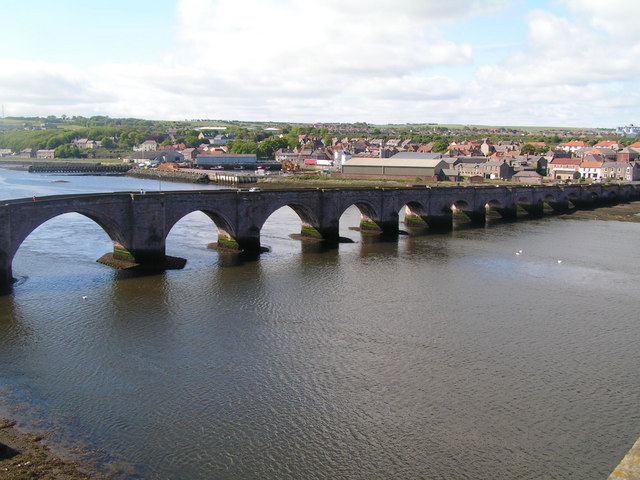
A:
x: 623, y: 212
x: 24, y: 456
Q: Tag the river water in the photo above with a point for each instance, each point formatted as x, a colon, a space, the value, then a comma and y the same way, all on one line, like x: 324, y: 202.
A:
x: 434, y: 357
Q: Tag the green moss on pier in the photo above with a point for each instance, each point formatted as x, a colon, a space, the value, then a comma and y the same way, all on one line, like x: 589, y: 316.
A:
x: 308, y: 231
x: 122, y: 254
x: 369, y: 225
x: 414, y: 221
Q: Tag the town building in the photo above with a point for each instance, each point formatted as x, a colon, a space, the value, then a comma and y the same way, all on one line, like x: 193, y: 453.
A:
x: 404, y: 164
x: 45, y: 154
x: 573, y: 146
x: 623, y: 171
x: 564, y: 168
x: 591, y: 168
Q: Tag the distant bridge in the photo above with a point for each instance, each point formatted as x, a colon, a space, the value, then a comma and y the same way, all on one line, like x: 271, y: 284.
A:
x: 138, y: 224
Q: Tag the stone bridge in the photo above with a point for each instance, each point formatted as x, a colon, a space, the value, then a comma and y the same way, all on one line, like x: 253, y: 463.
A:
x: 138, y: 224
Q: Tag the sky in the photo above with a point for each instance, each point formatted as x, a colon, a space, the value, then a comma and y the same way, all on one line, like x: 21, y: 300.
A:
x: 564, y: 63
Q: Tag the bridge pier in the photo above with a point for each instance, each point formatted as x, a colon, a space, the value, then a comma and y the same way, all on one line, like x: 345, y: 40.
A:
x: 440, y: 223
x: 6, y: 273
x: 507, y: 213
x: 156, y: 259
x: 476, y: 217
x: 388, y: 228
x: 330, y: 235
x: 560, y: 207
x: 534, y: 210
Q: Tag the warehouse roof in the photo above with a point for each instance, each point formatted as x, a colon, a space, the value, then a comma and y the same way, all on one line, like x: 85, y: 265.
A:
x: 394, y: 162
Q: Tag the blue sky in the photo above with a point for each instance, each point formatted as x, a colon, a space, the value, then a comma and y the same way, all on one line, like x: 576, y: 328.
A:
x: 497, y: 62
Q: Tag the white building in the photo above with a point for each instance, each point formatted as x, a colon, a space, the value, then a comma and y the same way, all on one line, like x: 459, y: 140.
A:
x: 147, y: 146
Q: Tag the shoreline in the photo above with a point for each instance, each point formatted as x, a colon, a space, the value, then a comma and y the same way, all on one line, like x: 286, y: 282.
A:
x: 26, y: 455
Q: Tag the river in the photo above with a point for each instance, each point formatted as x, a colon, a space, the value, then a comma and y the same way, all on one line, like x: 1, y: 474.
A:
x: 434, y: 357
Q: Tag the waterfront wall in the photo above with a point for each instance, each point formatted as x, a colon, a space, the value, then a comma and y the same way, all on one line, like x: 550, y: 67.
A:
x: 187, y: 176
x: 80, y: 167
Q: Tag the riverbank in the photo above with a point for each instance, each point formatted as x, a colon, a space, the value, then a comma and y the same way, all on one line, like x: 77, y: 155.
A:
x: 25, y: 456
x: 623, y: 212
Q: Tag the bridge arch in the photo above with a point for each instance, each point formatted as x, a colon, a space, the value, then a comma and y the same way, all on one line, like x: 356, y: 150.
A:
x: 29, y: 223
x: 57, y: 228
x: 310, y: 224
x: 226, y: 231
x: 300, y: 214
x: 304, y: 212
x: 415, y: 215
x: 370, y: 217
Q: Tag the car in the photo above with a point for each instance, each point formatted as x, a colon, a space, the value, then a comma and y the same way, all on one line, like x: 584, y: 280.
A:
x: 255, y: 189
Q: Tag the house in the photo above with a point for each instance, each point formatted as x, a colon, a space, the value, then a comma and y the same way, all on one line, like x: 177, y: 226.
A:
x: 487, y: 148
x: 606, y: 153
x: 572, y: 146
x: 189, y: 154
x: 528, y: 176
x: 591, y: 168
x: 85, y: 143
x: 626, y: 171
x: 491, y: 170
x: 426, y: 147
x: 494, y: 170
x: 27, y: 152
x: 564, y: 168
x: 450, y: 174
x: 612, y: 144
x: 45, y: 154
x: 207, y: 135
x: 147, y: 146
x: 627, y: 155
x: 286, y: 155
x: 340, y: 157
x: 317, y: 159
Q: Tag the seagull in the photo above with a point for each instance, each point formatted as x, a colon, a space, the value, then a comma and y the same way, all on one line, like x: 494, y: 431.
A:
x: 559, y: 261
x: 84, y: 297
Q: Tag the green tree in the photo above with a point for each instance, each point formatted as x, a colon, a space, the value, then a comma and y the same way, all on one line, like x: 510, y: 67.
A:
x: 267, y: 148
x: 440, y: 146
x: 240, y: 146
x: 107, y: 142
x: 192, y: 141
x: 67, y: 151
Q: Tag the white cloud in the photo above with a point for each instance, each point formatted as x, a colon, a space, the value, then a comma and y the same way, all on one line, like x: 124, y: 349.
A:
x: 356, y: 60
x: 619, y: 18
x: 271, y: 56
x: 428, y: 10
x: 296, y: 38
x: 564, y: 53
x: 45, y: 83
